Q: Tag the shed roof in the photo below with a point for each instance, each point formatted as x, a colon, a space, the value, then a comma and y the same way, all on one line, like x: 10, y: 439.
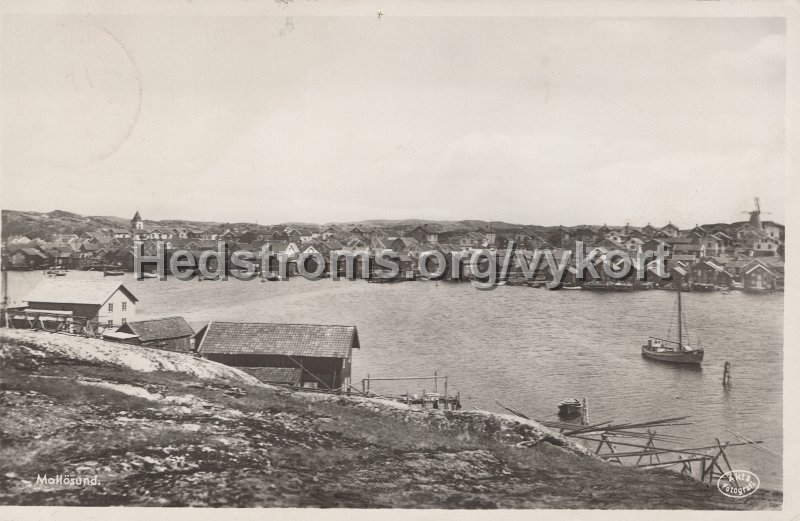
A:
x: 759, y: 267
x: 66, y: 291
x: 324, y: 341
x: 158, y: 329
x: 32, y: 252
x: 679, y: 270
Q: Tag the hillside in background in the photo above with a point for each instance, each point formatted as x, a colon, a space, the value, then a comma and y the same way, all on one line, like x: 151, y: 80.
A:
x: 44, y: 225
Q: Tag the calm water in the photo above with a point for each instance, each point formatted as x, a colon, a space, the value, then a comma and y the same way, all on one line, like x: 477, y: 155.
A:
x: 529, y: 348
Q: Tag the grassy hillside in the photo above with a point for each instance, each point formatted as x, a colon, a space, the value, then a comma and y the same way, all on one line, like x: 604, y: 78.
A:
x: 167, y: 437
x: 44, y: 225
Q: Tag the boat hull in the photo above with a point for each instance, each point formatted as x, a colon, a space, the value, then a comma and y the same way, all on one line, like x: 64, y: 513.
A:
x: 570, y: 408
x: 673, y: 356
x: 618, y: 286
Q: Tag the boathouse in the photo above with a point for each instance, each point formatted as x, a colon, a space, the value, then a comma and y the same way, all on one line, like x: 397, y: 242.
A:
x: 102, y: 301
x: 170, y: 333
x: 707, y: 272
x: 28, y: 258
x: 308, y: 355
x: 759, y: 278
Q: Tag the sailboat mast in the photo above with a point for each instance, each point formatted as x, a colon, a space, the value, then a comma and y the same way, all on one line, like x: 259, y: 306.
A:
x: 680, y: 321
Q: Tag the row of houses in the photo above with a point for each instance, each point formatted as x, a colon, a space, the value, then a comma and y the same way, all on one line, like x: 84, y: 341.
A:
x: 746, y: 272
x: 685, y: 257
x: 114, y: 247
x: 303, y: 355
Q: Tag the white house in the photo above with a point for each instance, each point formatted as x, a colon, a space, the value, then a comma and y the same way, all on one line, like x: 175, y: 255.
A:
x: 104, y: 301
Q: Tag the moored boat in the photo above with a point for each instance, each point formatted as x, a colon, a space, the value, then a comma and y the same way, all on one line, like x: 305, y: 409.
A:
x: 113, y: 273
x: 696, y: 286
x: 676, y: 352
x: 570, y: 408
x: 608, y: 286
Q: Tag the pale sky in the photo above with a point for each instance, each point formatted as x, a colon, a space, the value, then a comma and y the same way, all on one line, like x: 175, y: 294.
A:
x: 321, y: 118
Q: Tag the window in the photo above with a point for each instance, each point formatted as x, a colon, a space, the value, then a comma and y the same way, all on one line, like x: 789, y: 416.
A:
x: 110, y: 322
x: 124, y: 306
x: 124, y: 320
x: 110, y: 306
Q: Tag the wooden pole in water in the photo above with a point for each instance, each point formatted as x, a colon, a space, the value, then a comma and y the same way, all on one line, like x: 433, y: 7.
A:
x: 585, y: 418
x: 445, y: 393
x: 726, y: 375
x: 435, y: 382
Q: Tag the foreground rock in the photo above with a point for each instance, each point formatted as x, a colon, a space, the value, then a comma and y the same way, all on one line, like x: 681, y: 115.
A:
x: 167, y: 437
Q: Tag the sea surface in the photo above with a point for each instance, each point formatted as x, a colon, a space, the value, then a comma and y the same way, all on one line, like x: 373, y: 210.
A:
x: 528, y: 348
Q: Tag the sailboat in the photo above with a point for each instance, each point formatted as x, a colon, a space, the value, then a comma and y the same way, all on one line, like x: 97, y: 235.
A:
x: 673, y: 351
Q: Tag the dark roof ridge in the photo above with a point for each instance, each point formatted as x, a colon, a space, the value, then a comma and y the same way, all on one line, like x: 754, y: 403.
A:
x: 278, y: 323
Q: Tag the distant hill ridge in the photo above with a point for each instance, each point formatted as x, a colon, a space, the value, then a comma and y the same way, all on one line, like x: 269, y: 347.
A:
x: 20, y: 222
x: 45, y: 224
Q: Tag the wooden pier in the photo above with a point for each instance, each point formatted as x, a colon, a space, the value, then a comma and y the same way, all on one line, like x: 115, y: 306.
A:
x: 51, y: 321
x: 434, y: 400
x: 618, y: 443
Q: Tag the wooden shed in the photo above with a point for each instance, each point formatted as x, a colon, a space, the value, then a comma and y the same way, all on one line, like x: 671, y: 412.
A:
x: 170, y: 333
x: 759, y: 278
x: 321, y: 353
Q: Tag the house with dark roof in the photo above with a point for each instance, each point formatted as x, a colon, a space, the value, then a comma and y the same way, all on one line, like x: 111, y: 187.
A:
x: 425, y: 233
x: 321, y: 353
x: 170, y: 333
x: 119, y: 233
x: 669, y: 230
x: 758, y: 277
x: 737, y: 267
x: 709, y: 273
x: 31, y: 258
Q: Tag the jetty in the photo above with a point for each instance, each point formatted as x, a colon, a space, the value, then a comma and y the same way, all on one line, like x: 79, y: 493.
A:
x: 640, y: 445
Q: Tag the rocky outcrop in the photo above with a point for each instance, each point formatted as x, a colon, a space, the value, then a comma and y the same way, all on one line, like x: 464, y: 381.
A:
x: 513, y: 430
x: 30, y: 347
x: 204, y: 435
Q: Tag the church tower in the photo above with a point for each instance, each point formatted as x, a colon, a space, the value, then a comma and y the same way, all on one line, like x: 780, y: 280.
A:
x: 137, y: 223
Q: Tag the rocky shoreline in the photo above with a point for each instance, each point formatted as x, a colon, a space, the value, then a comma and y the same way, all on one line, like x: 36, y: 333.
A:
x: 159, y: 428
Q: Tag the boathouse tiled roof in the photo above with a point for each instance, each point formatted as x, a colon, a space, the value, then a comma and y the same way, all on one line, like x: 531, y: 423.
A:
x: 159, y: 329
x: 323, y: 341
